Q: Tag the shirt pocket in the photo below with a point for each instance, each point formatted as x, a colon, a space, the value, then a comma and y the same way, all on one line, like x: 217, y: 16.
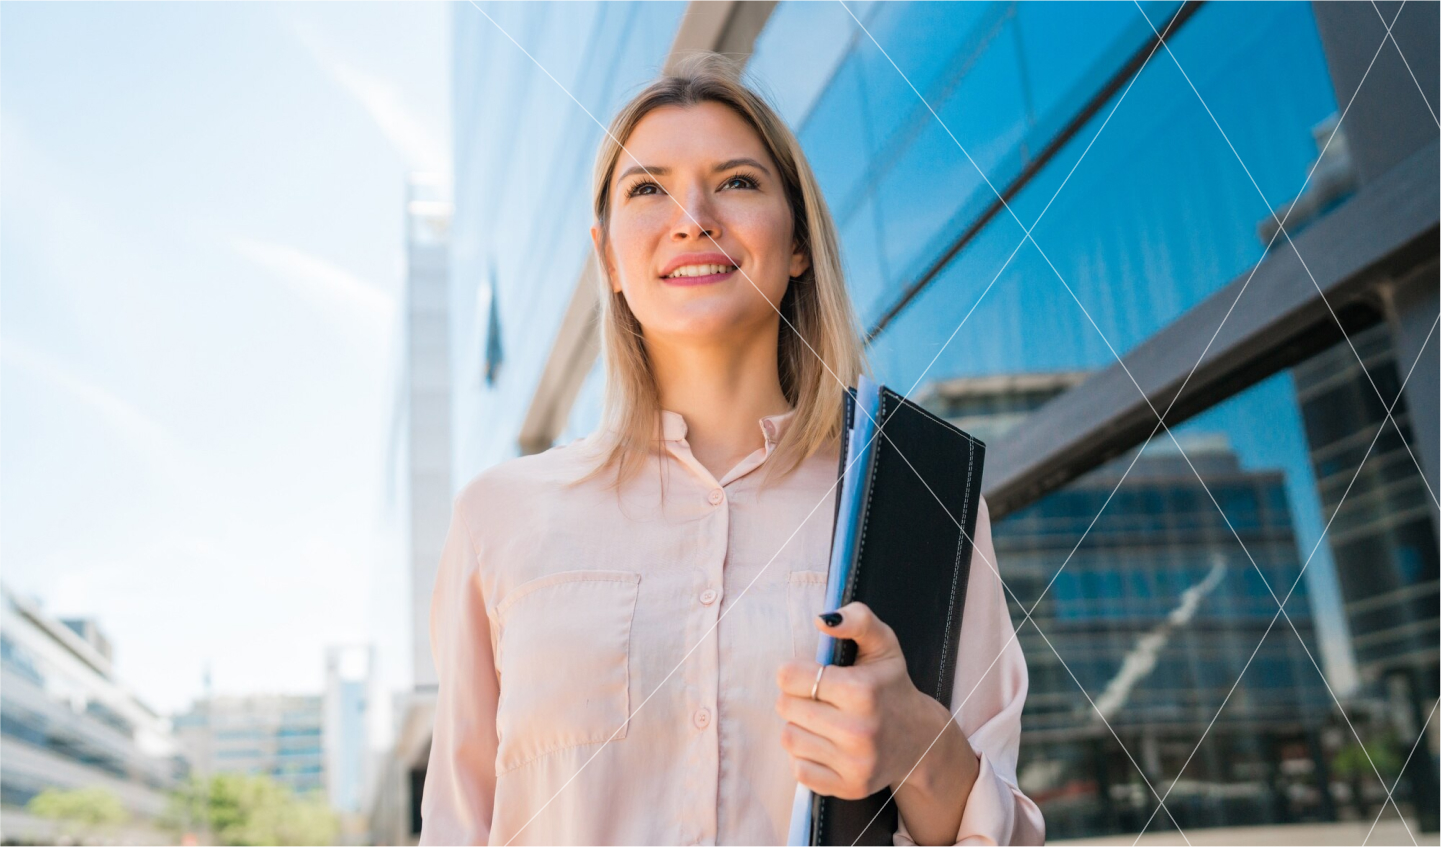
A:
x: 805, y: 594
x: 563, y: 654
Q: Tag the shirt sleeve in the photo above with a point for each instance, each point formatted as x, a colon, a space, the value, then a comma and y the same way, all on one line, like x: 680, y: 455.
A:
x: 987, y: 698
x: 459, y: 792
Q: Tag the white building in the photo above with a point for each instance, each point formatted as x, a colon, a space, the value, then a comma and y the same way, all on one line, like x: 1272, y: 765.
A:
x: 67, y: 722
x: 393, y: 795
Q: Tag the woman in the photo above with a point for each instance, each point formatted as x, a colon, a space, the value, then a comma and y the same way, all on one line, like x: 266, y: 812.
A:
x: 624, y: 627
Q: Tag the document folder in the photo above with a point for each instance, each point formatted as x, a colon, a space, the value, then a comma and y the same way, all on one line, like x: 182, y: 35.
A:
x: 910, y: 487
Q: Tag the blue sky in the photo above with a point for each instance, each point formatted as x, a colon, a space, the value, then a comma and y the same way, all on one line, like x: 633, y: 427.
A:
x: 201, y: 259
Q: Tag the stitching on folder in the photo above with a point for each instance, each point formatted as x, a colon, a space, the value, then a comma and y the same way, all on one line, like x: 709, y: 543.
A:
x: 942, y: 422
x: 956, y: 568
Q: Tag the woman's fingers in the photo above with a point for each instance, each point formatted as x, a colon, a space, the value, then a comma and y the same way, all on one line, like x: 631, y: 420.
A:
x: 843, y: 687
x: 796, y: 676
x: 817, y: 716
x: 874, y: 638
x: 801, y: 743
x: 817, y: 777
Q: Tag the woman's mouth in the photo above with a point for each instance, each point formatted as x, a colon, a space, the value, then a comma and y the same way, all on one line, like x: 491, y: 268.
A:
x: 699, y: 274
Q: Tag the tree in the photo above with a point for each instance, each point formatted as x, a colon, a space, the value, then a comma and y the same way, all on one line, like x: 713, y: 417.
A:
x: 79, y: 813
x: 1358, y: 766
x: 249, y: 809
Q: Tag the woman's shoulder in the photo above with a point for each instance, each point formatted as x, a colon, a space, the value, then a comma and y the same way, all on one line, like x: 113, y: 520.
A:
x: 513, y: 482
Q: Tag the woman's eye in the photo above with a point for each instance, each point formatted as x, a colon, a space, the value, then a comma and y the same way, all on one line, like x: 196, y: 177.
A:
x: 636, y: 189
x: 745, y: 180
x: 645, y: 186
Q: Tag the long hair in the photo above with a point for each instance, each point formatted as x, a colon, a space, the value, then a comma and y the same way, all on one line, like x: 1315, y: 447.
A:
x: 820, y: 349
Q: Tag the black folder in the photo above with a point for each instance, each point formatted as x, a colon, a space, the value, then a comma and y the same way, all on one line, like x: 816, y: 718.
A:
x: 912, y: 568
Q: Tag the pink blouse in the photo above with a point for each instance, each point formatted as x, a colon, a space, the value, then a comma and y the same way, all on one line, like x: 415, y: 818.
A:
x: 607, y: 664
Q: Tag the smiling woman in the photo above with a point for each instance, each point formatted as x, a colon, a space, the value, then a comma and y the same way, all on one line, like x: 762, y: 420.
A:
x: 623, y: 627
x: 703, y: 154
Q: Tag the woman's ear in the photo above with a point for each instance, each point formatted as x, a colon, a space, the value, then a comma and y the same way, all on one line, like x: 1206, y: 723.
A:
x: 603, y: 253
x: 800, y: 260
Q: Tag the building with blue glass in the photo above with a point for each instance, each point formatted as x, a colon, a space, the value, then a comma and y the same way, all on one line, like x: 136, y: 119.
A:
x: 1176, y: 204
x: 1153, y: 609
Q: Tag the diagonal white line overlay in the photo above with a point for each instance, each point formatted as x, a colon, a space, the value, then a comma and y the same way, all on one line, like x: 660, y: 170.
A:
x: 878, y: 432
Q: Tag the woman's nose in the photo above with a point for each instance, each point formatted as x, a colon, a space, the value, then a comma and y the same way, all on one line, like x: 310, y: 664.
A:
x: 695, y: 219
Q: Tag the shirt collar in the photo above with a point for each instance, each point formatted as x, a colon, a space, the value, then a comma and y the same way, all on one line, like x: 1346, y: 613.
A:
x: 672, y: 426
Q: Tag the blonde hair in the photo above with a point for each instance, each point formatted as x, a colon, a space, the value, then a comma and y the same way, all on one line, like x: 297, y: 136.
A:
x: 818, y: 320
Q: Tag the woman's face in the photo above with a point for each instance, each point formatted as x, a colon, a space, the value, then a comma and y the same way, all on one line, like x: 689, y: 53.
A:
x: 710, y: 178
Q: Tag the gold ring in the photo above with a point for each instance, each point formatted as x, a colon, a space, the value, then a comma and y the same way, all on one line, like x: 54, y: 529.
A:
x: 817, y: 686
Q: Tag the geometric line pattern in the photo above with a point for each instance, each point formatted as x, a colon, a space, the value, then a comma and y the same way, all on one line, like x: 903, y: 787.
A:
x: 1160, y: 416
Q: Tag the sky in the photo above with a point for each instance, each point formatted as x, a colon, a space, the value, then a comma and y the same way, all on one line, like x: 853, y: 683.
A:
x: 201, y: 265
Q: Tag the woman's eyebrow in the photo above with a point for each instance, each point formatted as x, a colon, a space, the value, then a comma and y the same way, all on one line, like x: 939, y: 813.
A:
x: 723, y: 166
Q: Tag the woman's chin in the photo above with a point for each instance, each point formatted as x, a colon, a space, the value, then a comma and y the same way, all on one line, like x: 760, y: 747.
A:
x: 707, y: 325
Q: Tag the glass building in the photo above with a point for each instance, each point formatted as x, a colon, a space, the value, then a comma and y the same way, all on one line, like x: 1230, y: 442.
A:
x: 67, y: 722
x: 1151, y: 613
x: 1383, y: 534
x: 279, y: 735
x: 1204, y: 233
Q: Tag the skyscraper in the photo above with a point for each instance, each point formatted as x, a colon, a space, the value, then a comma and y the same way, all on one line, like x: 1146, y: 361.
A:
x: 1154, y: 616
x: 1383, y: 533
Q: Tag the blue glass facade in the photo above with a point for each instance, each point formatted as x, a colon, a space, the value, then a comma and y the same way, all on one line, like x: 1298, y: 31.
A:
x: 1144, y: 609
x: 1145, y: 212
x: 524, y: 152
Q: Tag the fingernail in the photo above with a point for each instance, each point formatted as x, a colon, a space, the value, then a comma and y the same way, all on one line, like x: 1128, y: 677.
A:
x: 831, y: 618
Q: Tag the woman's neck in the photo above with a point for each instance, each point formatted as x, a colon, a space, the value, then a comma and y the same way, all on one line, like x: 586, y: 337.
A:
x: 722, y: 391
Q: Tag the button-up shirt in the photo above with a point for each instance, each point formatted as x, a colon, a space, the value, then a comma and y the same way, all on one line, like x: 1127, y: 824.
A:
x: 607, y: 659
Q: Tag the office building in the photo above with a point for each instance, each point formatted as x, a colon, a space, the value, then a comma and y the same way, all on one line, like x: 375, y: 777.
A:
x: 426, y: 403
x: 278, y: 735
x: 1383, y: 532
x: 392, y: 795
x: 1383, y: 538
x: 67, y: 722
x: 1155, y: 614
x: 349, y: 695
x: 1126, y: 251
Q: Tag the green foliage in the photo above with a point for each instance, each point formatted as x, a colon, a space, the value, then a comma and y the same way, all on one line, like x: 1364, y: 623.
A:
x: 1384, y: 751
x: 250, y: 809
x: 79, y: 812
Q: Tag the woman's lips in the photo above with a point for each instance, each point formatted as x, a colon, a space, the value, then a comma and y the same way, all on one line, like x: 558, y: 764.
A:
x: 696, y: 280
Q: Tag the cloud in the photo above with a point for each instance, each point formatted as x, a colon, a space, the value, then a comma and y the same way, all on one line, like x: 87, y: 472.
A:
x: 325, y: 284
x: 120, y: 414
x: 420, y: 146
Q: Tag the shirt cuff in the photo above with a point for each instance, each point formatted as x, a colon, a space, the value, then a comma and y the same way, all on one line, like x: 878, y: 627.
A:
x: 989, y: 815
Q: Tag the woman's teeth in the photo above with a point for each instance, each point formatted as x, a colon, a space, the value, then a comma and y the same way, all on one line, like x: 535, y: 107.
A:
x: 701, y: 270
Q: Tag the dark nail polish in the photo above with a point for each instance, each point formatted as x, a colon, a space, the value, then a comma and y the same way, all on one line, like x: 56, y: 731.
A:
x: 831, y: 618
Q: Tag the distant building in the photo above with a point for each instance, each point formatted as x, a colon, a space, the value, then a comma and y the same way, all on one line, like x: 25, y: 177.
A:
x: 349, y: 677
x: 1156, y: 614
x: 67, y: 722
x: 1383, y: 537
x: 427, y: 398
x: 279, y: 735
x: 393, y: 801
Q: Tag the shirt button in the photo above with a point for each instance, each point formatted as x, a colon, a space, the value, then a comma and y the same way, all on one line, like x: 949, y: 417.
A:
x: 708, y: 596
x: 702, y: 717
x: 716, y: 496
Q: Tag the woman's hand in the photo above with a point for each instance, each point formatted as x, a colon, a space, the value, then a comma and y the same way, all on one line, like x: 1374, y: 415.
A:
x: 871, y: 728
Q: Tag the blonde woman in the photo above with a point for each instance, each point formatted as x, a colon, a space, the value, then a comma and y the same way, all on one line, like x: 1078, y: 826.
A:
x: 625, y: 627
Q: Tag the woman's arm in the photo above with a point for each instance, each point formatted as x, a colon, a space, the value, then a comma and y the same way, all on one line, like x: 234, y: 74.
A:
x: 460, y: 778
x: 954, y: 780
x: 987, y: 697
